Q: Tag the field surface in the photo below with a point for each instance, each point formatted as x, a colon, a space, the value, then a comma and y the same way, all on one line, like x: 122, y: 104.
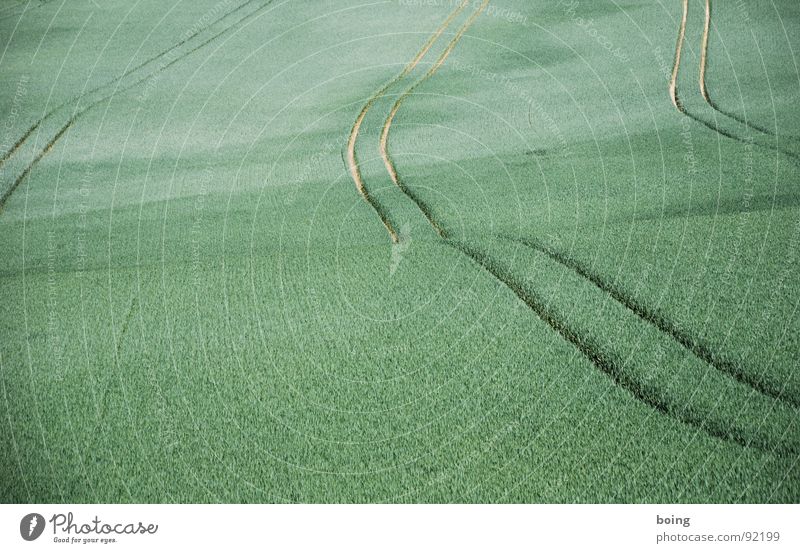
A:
x: 399, y: 251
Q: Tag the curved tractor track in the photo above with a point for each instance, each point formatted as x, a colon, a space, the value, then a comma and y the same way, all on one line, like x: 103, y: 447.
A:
x: 604, y: 362
x: 113, y: 85
x: 704, y: 87
x: 675, y: 98
x: 384, y: 140
x: 352, y: 160
x: 76, y: 98
x: 25, y: 9
x: 657, y: 320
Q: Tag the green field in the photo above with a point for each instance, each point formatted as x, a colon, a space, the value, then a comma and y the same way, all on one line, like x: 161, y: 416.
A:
x: 399, y: 251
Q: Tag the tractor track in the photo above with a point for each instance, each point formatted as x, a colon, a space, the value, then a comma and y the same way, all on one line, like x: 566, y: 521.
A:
x: 673, y: 81
x: 602, y: 361
x: 704, y: 87
x: 675, y: 98
x: 384, y: 139
x: 351, y: 158
x: 115, y: 91
x: 113, y: 81
x: 47, y: 147
x: 655, y: 319
x: 612, y: 368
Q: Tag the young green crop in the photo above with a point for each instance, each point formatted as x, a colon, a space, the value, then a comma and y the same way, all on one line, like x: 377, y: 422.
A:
x: 199, y: 305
